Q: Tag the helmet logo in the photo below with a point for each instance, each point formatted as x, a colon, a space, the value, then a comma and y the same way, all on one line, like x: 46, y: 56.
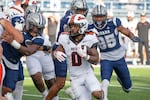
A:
x: 80, y: 18
x: 72, y: 19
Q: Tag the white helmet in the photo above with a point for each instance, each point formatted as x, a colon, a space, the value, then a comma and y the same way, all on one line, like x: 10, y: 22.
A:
x: 14, y: 10
x: 80, y: 20
x: 35, y: 19
x: 79, y: 4
x: 18, y: 22
x: 32, y: 9
x: 29, y: 2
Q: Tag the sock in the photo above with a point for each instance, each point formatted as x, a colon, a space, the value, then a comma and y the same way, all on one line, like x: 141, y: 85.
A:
x: 17, y: 93
x: 44, y: 93
x: 56, y: 98
x: 70, y: 92
x: 9, y: 96
x: 134, y: 61
x: 105, y: 84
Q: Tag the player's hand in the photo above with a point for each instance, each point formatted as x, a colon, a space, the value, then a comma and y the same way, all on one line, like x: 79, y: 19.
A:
x: 136, y: 39
x: 60, y: 56
x: 82, y: 51
x: 7, y: 37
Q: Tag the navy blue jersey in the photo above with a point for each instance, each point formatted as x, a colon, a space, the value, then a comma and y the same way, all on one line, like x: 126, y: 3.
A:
x: 108, y: 36
x: 64, y: 22
x: 13, y: 55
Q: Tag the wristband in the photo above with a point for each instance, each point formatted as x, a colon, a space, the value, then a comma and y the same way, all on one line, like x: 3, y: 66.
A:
x: 87, y: 57
x: 15, y: 44
x: 46, y: 48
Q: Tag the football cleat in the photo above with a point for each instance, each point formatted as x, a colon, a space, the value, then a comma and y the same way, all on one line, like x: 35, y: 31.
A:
x: 69, y: 92
x: 125, y: 90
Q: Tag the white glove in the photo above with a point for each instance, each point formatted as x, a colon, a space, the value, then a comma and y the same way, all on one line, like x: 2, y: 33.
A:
x: 60, y: 56
x: 82, y: 51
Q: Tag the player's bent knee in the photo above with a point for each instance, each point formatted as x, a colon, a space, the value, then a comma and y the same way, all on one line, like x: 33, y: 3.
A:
x: 60, y: 83
x: 5, y: 90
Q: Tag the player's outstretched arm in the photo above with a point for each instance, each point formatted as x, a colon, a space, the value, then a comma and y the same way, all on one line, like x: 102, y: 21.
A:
x: 27, y: 50
x: 11, y: 30
x: 129, y: 34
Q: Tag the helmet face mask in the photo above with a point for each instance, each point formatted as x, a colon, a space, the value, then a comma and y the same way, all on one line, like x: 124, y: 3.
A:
x: 78, y: 24
x: 35, y: 31
x: 74, y: 28
x: 99, y: 16
x: 99, y: 21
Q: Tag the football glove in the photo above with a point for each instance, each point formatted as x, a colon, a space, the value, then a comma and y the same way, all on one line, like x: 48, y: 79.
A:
x: 60, y: 56
x: 82, y: 51
x: 136, y: 39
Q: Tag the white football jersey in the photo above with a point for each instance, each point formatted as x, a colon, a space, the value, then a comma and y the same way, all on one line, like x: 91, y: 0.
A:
x: 76, y: 64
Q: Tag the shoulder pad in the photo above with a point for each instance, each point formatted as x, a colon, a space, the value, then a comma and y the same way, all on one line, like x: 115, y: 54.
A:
x: 64, y: 33
x: 89, y: 33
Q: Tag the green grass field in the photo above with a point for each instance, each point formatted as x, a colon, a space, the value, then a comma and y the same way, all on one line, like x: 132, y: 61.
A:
x: 140, y: 78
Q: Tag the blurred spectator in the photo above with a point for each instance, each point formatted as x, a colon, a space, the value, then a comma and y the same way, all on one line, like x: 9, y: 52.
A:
x: 1, y: 8
x: 129, y: 45
x: 109, y: 14
x: 143, y: 29
x: 52, y: 27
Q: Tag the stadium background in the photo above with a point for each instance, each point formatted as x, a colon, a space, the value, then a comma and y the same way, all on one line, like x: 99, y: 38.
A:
x: 119, y: 8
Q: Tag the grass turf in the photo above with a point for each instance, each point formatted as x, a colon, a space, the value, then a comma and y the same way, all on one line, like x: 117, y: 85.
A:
x: 140, y: 78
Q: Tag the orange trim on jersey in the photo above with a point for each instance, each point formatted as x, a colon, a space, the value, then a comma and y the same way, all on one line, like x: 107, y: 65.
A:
x: 16, y: 9
x: 64, y: 33
x: 80, y: 18
x: 89, y: 33
x: 18, y: 2
x: 1, y: 74
x: 72, y: 19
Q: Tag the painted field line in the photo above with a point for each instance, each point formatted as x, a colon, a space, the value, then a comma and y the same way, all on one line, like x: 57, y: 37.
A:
x: 39, y: 96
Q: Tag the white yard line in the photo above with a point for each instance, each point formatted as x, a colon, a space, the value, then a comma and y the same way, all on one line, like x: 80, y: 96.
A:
x: 39, y: 96
x: 62, y: 98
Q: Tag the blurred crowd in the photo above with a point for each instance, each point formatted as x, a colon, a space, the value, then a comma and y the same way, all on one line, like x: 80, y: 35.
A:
x: 137, y: 53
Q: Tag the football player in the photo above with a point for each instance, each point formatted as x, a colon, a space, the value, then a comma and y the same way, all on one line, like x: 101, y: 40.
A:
x: 112, y: 53
x: 5, y: 25
x: 80, y: 49
x: 40, y: 64
x: 32, y: 42
x: 77, y: 7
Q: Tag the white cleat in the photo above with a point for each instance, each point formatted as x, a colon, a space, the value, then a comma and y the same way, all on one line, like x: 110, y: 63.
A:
x: 69, y: 92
